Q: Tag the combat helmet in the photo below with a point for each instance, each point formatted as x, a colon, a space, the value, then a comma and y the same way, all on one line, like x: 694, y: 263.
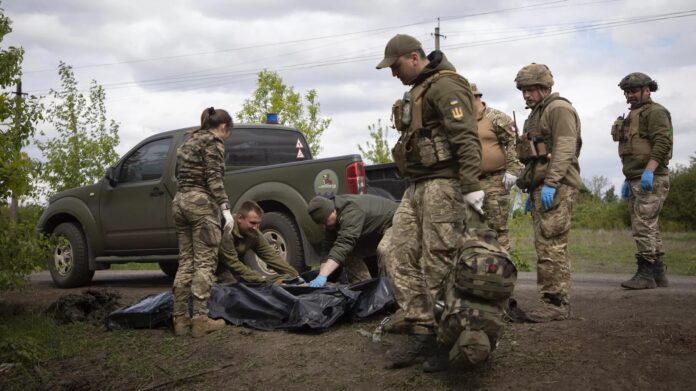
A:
x: 534, y: 74
x: 638, y: 79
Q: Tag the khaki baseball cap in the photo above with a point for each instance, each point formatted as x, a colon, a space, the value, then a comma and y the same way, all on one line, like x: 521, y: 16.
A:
x: 474, y: 90
x: 399, y: 45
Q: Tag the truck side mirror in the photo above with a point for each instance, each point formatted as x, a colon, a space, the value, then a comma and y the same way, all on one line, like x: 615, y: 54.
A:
x: 110, y: 176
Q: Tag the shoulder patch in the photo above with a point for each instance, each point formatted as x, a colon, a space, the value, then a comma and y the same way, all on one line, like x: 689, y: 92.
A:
x: 454, y: 102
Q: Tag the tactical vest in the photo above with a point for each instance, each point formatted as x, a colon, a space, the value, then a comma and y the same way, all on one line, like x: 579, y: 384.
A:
x: 626, y: 131
x: 532, y: 145
x: 417, y: 144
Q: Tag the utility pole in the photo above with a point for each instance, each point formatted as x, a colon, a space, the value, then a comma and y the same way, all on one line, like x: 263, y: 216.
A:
x: 437, y: 35
x: 14, y: 201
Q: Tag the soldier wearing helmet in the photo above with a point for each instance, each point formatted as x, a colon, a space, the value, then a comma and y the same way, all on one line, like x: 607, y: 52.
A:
x: 549, y: 148
x: 499, y: 164
x: 645, y: 147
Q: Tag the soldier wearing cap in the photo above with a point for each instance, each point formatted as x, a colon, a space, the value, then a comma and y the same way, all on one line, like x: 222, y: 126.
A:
x: 549, y: 147
x: 499, y: 164
x: 439, y: 151
x: 354, y: 224
x: 645, y: 147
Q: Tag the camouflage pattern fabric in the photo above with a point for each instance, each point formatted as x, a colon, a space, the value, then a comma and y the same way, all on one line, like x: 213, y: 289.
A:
x: 420, y: 247
x: 496, y: 205
x: 645, y: 208
x: 197, y: 219
x: 201, y: 165
x: 475, y: 294
x: 506, y: 137
x: 356, y: 269
x: 551, y: 229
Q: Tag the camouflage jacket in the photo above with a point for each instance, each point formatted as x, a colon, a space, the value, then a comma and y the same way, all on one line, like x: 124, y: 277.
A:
x: 505, y: 133
x: 201, y: 166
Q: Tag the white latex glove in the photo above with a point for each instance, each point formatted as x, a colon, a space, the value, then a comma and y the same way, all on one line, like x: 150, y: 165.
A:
x: 475, y: 200
x: 229, y: 221
x: 509, y: 180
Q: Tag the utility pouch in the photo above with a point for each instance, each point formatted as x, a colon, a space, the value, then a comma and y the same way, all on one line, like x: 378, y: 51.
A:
x: 526, y: 151
x: 397, y: 110
x: 426, y: 147
x: 616, y: 129
x: 524, y: 181
x: 399, y: 155
x: 541, y: 147
x: 406, y: 109
x: 443, y: 149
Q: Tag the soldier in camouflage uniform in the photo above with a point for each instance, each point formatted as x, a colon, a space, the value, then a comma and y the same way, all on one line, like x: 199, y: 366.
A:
x: 549, y: 147
x: 645, y: 147
x: 499, y: 164
x: 197, y: 208
x: 439, y: 151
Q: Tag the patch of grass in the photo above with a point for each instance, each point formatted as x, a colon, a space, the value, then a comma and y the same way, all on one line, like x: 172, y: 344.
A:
x: 605, y: 251
x: 135, y: 266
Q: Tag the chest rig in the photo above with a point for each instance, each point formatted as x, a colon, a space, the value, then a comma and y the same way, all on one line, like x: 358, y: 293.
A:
x: 418, y: 144
x: 626, y: 131
x: 532, y: 144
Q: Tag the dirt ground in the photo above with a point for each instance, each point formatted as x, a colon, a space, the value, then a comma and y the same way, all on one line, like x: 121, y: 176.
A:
x: 617, y: 340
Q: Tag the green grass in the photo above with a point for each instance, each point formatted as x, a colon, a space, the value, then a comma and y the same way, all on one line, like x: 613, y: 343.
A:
x: 135, y: 266
x: 607, y: 251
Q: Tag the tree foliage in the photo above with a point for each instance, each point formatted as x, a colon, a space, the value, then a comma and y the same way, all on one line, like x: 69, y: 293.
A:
x: 18, y: 118
x: 274, y: 96
x: 679, y: 206
x: 85, y: 140
x: 377, y: 150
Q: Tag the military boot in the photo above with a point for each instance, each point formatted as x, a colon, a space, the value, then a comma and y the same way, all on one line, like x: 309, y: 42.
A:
x: 644, y: 277
x: 659, y: 269
x: 416, y: 349
x: 182, y: 325
x: 398, y: 324
x: 438, y: 361
x: 551, y: 308
x: 202, y: 325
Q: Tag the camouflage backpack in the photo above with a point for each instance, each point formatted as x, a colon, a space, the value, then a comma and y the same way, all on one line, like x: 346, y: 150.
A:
x: 483, y: 268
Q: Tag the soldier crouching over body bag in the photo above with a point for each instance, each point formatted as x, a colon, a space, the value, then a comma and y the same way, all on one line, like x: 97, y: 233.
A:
x: 474, y: 295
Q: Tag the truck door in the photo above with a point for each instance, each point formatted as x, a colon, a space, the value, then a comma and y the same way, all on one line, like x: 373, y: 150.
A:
x: 134, y: 212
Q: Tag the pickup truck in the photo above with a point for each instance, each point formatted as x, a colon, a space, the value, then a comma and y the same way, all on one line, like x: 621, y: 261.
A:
x: 127, y: 215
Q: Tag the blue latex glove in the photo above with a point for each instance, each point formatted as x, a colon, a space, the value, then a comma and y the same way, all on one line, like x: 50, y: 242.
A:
x: 625, y: 191
x: 547, y: 195
x: 646, y: 180
x: 528, y: 205
x: 318, y: 282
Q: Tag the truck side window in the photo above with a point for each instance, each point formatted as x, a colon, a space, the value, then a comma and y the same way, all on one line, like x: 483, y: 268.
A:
x: 254, y: 147
x: 146, y: 163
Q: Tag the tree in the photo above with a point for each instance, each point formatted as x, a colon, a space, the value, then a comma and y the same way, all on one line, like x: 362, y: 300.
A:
x: 679, y: 206
x: 378, y: 150
x: 85, y: 141
x: 273, y: 96
x: 18, y: 118
x: 596, y: 185
x: 610, y: 195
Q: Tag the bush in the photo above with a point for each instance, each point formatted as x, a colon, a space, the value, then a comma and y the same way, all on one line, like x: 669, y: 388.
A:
x: 22, y: 249
x: 592, y: 213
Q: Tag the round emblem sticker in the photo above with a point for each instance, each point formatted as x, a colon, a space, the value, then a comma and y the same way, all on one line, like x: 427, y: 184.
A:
x: 326, y: 184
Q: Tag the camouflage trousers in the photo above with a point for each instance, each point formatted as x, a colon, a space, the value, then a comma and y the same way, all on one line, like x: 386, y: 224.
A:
x: 197, y: 219
x: 645, y: 208
x: 420, y: 247
x: 551, y: 229
x: 496, y: 205
x: 356, y: 269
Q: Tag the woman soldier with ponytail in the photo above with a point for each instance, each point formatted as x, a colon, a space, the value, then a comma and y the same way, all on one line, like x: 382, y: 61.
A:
x: 198, y: 205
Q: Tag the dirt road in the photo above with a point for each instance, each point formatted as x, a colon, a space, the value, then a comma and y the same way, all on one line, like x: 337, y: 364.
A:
x: 618, y: 340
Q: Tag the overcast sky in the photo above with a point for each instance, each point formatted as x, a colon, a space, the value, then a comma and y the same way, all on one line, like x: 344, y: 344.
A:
x: 161, y: 62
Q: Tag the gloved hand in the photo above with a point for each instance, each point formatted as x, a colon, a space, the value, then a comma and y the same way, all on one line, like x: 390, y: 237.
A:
x: 646, y: 180
x: 528, y: 205
x: 625, y: 191
x: 229, y: 221
x: 509, y: 180
x: 318, y: 282
x: 547, y: 195
x: 475, y: 200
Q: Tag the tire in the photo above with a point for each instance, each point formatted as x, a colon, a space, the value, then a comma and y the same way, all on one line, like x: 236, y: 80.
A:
x: 282, y: 234
x: 70, y: 264
x: 169, y: 268
x: 378, y: 191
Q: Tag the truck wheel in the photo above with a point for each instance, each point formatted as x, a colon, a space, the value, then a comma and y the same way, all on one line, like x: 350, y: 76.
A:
x: 169, y: 268
x: 70, y: 265
x: 282, y: 234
